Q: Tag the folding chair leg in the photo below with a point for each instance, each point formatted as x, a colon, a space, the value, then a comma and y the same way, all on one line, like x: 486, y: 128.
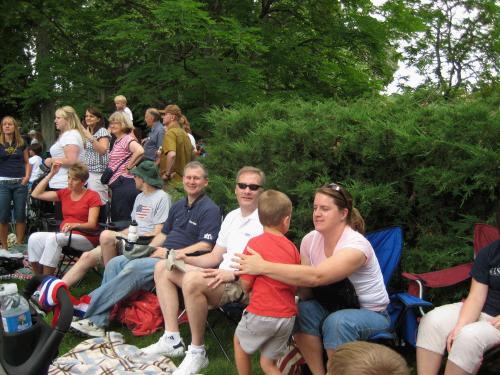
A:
x: 218, y: 341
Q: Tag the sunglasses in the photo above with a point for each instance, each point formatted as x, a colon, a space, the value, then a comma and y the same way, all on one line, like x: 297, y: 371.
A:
x: 252, y: 187
x: 338, y: 188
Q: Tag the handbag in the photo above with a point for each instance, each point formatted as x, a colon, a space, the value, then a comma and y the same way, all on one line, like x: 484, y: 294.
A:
x: 337, y: 296
x: 108, y: 172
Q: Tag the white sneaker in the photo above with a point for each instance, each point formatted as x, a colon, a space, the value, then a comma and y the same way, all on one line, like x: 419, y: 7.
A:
x: 167, y: 347
x: 192, y: 363
x: 87, y: 328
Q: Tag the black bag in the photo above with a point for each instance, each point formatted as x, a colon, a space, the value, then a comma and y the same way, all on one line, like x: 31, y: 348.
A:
x: 10, y: 265
x: 108, y: 172
x: 106, y: 175
x: 337, y: 296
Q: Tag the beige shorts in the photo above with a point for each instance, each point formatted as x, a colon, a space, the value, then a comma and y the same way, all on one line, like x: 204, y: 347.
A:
x: 470, y: 343
x: 233, y: 292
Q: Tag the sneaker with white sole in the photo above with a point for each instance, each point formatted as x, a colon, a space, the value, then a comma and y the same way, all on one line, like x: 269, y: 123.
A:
x: 166, y: 346
x: 87, y: 328
x: 192, y: 363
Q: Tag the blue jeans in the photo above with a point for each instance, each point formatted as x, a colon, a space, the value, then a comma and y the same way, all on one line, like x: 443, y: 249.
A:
x: 341, y: 326
x: 121, y: 278
x: 17, y: 193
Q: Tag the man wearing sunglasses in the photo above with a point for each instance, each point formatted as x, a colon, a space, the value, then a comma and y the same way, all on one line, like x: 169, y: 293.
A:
x: 214, y: 284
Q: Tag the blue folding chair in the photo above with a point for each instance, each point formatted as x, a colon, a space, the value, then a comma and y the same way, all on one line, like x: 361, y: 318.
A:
x: 388, y: 246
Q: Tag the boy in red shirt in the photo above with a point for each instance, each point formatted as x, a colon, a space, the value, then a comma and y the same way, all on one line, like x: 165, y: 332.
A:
x: 268, y: 320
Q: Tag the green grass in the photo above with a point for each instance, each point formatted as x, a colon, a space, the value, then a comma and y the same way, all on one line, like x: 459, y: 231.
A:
x: 224, y: 328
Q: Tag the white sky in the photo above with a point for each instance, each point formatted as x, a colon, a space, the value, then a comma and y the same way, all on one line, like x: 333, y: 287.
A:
x: 414, y: 78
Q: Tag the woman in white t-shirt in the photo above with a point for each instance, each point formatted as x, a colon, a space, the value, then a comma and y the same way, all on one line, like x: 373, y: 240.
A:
x: 68, y: 148
x: 335, y: 250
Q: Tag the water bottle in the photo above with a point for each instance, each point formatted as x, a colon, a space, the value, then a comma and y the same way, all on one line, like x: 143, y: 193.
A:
x: 132, y: 232
x: 16, y: 316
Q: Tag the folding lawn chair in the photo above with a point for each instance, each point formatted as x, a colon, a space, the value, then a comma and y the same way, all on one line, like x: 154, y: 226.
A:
x: 484, y: 235
x: 388, y: 246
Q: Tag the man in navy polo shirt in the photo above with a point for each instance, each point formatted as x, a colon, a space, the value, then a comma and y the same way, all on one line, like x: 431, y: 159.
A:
x: 193, y: 224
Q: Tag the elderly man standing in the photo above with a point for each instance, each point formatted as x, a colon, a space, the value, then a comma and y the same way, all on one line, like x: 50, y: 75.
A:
x: 192, y: 225
x: 154, y: 141
x: 177, y: 148
x: 212, y: 286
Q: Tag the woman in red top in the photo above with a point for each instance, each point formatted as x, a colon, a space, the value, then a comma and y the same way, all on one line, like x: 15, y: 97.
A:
x: 80, y: 208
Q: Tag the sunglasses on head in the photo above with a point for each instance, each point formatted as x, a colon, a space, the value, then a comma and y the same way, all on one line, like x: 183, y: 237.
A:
x: 338, y: 188
x: 252, y: 187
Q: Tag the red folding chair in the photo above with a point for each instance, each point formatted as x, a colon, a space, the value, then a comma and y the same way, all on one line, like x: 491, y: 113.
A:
x: 484, y: 234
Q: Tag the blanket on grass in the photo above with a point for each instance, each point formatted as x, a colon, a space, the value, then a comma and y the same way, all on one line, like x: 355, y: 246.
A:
x: 110, y: 356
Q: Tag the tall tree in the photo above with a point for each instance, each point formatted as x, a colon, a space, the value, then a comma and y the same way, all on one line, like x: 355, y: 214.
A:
x: 459, y: 46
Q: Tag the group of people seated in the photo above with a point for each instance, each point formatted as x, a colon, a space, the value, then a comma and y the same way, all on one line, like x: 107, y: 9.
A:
x: 247, y: 258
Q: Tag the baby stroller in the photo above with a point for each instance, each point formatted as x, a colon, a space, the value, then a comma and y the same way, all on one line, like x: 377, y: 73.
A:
x: 33, y: 350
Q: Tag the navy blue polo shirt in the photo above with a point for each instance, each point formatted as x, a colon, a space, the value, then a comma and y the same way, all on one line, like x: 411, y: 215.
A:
x: 187, y: 225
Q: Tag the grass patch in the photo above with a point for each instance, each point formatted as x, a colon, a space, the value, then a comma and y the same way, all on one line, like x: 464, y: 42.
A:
x: 218, y: 363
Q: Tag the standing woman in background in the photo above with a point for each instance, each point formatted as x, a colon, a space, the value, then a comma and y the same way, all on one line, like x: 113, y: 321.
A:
x: 67, y: 150
x: 126, y: 154
x: 15, y: 171
x: 96, y: 151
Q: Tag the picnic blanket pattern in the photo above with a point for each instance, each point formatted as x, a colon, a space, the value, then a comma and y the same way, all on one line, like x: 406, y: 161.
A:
x: 110, y: 356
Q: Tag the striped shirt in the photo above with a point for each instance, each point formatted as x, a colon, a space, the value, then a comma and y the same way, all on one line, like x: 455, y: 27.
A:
x: 119, y: 153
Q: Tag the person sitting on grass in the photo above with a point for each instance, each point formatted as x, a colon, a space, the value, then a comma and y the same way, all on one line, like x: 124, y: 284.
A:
x: 365, y: 358
x: 192, y: 225
x: 150, y: 212
x: 267, y: 322
x: 209, y: 287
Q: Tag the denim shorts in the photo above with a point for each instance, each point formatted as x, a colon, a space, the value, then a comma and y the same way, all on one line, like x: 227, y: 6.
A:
x: 16, y: 193
x: 341, y: 326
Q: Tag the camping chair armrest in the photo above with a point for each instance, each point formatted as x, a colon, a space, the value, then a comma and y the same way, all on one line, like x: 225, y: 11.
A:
x: 116, y: 225
x: 437, y: 279
x: 90, y: 232
x: 411, y: 301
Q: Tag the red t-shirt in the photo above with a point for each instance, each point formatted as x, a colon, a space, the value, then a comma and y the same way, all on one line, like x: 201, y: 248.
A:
x: 270, y: 297
x: 78, y: 211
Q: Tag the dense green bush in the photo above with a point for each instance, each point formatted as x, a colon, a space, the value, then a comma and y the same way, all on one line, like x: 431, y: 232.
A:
x: 429, y: 165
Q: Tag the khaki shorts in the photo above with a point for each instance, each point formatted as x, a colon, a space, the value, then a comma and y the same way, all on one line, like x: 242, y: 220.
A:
x: 266, y: 333
x: 470, y: 343
x: 233, y: 292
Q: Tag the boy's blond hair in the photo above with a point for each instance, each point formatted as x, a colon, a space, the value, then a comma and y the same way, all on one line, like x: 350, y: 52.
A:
x: 364, y: 358
x: 120, y: 99
x: 273, y: 207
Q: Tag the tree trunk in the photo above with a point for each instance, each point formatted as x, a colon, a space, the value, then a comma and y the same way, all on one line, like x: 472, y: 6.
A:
x: 42, y: 66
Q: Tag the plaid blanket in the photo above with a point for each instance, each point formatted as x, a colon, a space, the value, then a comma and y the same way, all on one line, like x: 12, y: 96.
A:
x: 110, y: 356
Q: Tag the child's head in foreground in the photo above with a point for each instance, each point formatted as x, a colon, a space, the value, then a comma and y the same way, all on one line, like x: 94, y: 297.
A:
x: 364, y: 358
x: 275, y: 210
